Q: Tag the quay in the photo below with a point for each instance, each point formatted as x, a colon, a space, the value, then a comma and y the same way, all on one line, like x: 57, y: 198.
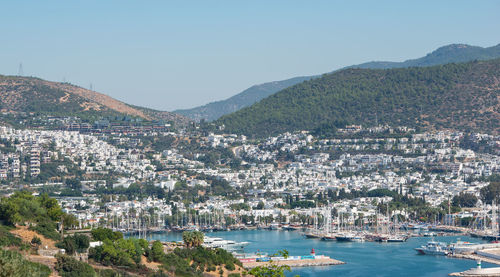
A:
x: 291, y: 261
x: 479, y: 271
x: 320, y: 261
x: 489, y: 254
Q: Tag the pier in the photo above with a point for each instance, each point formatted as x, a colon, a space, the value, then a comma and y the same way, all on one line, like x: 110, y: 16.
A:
x: 320, y: 261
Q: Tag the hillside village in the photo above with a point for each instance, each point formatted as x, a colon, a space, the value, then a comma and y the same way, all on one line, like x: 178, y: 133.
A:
x: 284, y: 179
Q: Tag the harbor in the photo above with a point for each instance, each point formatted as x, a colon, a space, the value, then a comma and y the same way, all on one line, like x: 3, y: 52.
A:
x: 389, y: 259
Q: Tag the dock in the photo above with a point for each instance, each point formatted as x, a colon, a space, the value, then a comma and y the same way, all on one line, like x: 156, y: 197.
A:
x: 480, y: 272
x: 322, y: 261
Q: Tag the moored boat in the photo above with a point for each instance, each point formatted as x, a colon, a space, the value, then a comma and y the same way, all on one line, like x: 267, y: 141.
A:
x: 433, y: 248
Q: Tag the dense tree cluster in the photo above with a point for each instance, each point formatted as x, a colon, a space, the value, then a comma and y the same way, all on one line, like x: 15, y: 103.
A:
x: 41, y: 213
x: 445, y: 96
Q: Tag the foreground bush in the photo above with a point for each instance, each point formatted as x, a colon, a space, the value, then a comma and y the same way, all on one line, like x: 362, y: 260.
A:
x: 71, y: 267
x: 13, y: 264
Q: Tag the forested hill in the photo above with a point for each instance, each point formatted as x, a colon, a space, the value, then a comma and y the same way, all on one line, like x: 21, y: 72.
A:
x: 453, y: 96
x: 214, y: 110
x: 452, y: 53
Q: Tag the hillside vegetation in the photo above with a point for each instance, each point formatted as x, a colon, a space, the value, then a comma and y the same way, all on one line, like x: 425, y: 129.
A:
x: 454, y: 96
x: 453, y: 53
x: 34, y: 95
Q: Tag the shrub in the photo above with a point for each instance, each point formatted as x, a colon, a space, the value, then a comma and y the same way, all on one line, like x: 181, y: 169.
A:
x: 70, y: 267
x: 230, y: 266
x: 7, y: 238
x: 13, y: 264
x: 100, y: 234
x: 36, y: 240
x: 47, y: 228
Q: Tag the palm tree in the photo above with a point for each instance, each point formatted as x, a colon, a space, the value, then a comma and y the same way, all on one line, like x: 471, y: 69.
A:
x: 198, y: 238
x: 192, y: 239
x: 188, y: 238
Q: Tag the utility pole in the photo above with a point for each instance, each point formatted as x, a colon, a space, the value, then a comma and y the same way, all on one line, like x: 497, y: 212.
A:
x: 20, y: 71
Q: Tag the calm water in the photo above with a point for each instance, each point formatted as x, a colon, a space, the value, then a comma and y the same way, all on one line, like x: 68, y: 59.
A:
x: 362, y: 259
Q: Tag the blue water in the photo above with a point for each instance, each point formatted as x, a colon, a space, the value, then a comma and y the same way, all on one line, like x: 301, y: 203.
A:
x: 362, y: 259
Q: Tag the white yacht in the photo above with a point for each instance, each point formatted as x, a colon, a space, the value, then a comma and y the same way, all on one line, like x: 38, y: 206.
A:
x: 229, y: 245
x: 433, y: 248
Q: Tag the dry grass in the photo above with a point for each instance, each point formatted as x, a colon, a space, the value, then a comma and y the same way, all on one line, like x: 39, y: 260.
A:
x: 27, y: 235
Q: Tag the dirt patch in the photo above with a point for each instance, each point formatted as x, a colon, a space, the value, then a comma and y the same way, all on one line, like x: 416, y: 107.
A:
x: 64, y: 98
x: 151, y: 265
x: 27, y: 235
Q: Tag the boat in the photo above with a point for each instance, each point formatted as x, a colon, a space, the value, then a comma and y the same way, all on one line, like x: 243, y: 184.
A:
x: 429, y: 234
x: 291, y: 227
x: 349, y: 237
x: 397, y: 238
x: 433, y: 248
x: 312, y: 234
x: 329, y: 237
x: 230, y: 245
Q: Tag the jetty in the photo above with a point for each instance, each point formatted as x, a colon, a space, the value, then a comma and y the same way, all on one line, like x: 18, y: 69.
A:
x: 479, y: 271
x: 320, y: 261
x: 482, y: 272
x: 291, y: 261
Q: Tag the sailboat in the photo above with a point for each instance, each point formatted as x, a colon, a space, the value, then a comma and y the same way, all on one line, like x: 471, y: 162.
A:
x: 313, y: 233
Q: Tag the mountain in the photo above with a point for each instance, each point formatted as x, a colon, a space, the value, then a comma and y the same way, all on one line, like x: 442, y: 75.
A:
x: 463, y: 96
x: 28, y: 94
x: 243, y: 99
x: 453, y: 53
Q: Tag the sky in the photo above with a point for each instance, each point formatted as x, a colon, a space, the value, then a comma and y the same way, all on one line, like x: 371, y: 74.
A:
x: 170, y: 55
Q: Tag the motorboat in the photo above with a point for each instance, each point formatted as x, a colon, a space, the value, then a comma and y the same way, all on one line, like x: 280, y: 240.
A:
x: 433, y: 248
x: 230, y: 245
x: 397, y: 238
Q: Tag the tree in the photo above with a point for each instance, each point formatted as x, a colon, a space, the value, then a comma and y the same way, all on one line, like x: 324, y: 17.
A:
x: 101, y: 234
x: 491, y: 192
x: 467, y: 200
x: 68, y: 244
x: 70, y: 267
x: 187, y: 237
x: 192, y: 238
x: 260, y: 206
x: 157, y: 251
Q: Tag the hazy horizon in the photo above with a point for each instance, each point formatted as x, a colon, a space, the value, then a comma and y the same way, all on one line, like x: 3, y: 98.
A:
x: 175, y: 56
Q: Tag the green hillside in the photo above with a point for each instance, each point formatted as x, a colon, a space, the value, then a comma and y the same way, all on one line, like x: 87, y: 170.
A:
x: 453, y: 53
x: 457, y: 96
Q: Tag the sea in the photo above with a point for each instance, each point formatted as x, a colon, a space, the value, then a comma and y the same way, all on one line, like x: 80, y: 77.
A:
x: 361, y: 258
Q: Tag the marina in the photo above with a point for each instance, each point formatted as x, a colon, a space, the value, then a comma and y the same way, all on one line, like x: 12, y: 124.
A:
x: 389, y: 259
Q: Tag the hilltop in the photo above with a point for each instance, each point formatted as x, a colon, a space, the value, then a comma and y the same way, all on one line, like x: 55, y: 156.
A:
x: 462, y: 96
x: 33, y: 95
x: 453, y: 53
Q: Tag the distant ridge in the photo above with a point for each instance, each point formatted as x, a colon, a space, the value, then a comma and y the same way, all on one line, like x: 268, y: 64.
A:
x: 456, y: 96
x: 452, y: 53
x: 29, y: 94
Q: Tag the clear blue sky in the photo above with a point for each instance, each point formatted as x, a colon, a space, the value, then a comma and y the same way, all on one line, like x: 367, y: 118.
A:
x: 179, y: 54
